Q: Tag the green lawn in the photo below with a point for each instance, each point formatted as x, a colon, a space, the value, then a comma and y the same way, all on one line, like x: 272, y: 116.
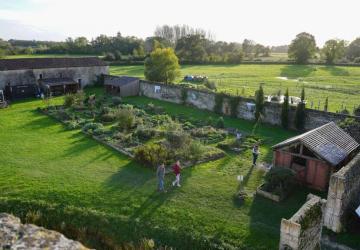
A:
x: 340, y: 84
x: 42, y: 161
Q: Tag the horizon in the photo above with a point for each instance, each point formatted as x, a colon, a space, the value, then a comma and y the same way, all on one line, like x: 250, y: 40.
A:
x: 44, y: 19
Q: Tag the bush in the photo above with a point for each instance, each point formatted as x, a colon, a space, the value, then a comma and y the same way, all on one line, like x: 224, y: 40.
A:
x: 93, y: 128
x: 69, y: 100
x: 116, y: 100
x: 125, y: 118
x: 145, y: 133
x: 345, y: 112
x: 109, y: 117
x: 151, y: 154
x: 178, y: 139
x: 279, y: 180
x: 72, y: 124
x: 220, y: 122
x: 196, y: 150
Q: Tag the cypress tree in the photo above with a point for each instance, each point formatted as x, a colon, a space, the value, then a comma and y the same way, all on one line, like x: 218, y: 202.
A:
x: 259, y: 102
x: 300, y: 114
x: 326, y: 105
x: 285, y: 111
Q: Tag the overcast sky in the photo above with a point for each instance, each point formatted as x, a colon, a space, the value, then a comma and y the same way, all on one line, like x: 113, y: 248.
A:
x: 270, y: 22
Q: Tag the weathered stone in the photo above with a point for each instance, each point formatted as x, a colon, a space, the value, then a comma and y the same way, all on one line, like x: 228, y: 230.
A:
x: 15, y: 235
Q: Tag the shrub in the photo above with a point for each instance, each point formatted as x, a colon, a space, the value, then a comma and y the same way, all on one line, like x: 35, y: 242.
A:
x: 220, y: 122
x: 279, y: 180
x: 116, y: 100
x: 72, y: 124
x: 93, y: 128
x: 109, y: 117
x: 178, y: 139
x: 345, y: 112
x: 151, y: 108
x: 210, y: 85
x: 151, y: 154
x: 259, y: 103
x: 145, y: 133
x: 125, y: 118
x: 69, y: 100
x: 196, y: 150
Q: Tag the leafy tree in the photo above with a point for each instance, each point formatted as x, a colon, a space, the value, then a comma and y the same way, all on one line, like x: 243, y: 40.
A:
x: 302, y: 48
x: 333, y: 50
x: 162, y: 66
x: 191, y: 48
x: 285, y: 111
x: 248, y: 47
x: 259, y: 102
x: 300, y: 114
x: 353, y: 51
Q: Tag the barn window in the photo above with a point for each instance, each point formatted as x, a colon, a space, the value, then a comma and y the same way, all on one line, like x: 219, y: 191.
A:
x: 299, y: 160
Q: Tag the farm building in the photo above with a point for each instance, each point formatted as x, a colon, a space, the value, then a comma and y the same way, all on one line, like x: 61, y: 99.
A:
x: 22, y: 78
x: 122, y: 85
x: 316, y: 154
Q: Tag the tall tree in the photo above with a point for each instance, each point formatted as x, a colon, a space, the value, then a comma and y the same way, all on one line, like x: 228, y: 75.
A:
x: 333, y: 50
x: 302, y: 48
x: 192, y: 48
x: 353, y: 51
x: 285, y: 111
x: 248, y: 47
x: 162, y: 66
x: 259, y: 103
x: 300, y: 115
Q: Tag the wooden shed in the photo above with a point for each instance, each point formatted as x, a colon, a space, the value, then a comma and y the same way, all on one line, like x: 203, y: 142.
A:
x: 58, y: 86
x: 122, y: 85
x: 316, y: 154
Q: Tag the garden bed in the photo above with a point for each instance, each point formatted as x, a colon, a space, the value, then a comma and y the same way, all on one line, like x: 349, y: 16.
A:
x: 143, y: 133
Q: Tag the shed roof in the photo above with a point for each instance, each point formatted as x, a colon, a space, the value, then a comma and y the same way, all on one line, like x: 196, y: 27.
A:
x: 45, y: 63
x: 119, y: 80
x: 329, y: 142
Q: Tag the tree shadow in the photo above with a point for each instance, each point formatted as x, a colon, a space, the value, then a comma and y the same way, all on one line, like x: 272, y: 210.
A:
x: 336, y: 71
x: 296, y: 71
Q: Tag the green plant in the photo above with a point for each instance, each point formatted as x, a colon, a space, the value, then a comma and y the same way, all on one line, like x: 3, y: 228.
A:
x: 125, y: 118
x: 279, y: 180
x: 116, y: 100
x: 220, y: 122
x: 219, y: 99
x: 196, y: 150
x: 184, y: 95
x: 69, y: 100
x: 151, y: 154
x: 234, y: 103
x: 300, y: 114
x: 259, y: 103
x: 285, y: 111
x: 177, y: 139
x: 92, y: 128
x: 108, y: 117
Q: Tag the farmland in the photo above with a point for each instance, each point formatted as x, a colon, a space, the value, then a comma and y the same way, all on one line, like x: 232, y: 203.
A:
x: 340, y: 84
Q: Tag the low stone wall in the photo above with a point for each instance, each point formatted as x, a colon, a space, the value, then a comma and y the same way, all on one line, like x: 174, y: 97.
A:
x: 343, y: 195
x: 15, y: 235
x: 203, y: 99
x: 303, y: 229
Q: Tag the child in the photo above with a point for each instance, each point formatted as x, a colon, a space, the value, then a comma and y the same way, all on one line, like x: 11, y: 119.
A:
x: 160, y: 173
x: 255, y: 152
x: 177, y: 170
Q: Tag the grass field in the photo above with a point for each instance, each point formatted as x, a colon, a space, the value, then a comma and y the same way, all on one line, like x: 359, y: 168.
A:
x: 42, y: 161
x: 340, y: 84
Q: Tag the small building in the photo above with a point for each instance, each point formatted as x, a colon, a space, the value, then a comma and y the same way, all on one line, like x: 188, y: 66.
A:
x: 24, y: 77
x: 316, y: 154
x: 122, y: 85
x: 58, y: 86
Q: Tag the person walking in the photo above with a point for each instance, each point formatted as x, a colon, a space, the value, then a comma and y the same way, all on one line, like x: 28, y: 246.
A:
x: 255, y: 153
x: 177, y: 170
x: 160, y: 173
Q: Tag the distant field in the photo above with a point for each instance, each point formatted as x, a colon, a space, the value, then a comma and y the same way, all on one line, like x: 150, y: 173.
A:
x: 340, y: 84
x: 46, y: 55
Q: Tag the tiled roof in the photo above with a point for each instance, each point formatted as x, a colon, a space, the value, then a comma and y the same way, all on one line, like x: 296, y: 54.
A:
x: 329, y: 142
x: 44, y: 63
x: 57, y: 81
x: 119, y: 80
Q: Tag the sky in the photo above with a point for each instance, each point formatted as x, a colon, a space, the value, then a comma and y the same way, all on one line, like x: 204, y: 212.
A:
x: 269, y: 22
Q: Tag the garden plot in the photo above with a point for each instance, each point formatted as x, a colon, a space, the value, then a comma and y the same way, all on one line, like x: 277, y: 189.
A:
x: 146, y: 133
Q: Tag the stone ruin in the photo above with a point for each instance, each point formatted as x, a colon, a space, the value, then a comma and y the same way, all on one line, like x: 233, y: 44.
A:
x: 15, y: 235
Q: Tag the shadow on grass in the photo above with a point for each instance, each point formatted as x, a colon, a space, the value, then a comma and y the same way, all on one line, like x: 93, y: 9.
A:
x: 336, y: 71
x: 295, y: 71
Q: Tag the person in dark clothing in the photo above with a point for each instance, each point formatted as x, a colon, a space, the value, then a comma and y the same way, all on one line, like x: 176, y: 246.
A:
x: 255, y: 153
x: 160, y: 173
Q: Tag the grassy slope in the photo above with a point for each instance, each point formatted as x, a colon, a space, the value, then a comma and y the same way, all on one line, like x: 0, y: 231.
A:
x: 340, y: 84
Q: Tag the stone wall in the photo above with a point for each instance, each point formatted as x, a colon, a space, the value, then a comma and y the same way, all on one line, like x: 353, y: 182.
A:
x: 15, y: 235
x: 19, y: 77
x: 303, y: 230
x: 246, y: 109
x: 343, y: 195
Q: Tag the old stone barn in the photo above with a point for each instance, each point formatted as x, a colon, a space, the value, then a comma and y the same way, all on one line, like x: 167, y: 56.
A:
x: 315, y: 155
x: 122, y: 85
x: 21, y: 78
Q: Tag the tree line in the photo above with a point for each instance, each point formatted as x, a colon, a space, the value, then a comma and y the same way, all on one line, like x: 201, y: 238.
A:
x: 191, y: 45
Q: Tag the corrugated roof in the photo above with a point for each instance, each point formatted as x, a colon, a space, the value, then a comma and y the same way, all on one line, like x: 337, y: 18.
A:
x: 45, y: 63
x: 119, y: 80
x: 329, y: 142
